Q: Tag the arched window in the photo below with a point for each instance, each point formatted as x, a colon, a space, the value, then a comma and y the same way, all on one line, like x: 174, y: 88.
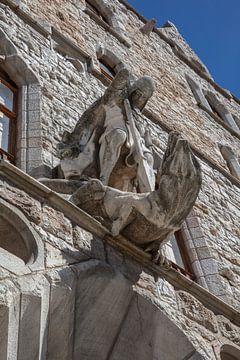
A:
x: 226, y: 356
x: 21, y: 248
x: 177, y: 253
x: 229, y: 352
x: 108, y: 65
x: 8, y: 115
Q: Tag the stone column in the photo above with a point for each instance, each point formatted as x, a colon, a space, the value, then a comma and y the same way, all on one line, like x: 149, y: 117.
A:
x: 231, y: 160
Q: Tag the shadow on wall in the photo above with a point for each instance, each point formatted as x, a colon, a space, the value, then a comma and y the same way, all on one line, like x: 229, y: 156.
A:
x: 113, y: 322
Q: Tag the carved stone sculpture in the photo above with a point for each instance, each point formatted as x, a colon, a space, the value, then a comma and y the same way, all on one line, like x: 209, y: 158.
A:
x: 102, y: 144
x: 148, y: 217
x: 108, y: 165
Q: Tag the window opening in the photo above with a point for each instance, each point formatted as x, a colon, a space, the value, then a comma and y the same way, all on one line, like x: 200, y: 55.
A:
x: 178, y: 255
x: 8, y: 115
x: 106, y: 70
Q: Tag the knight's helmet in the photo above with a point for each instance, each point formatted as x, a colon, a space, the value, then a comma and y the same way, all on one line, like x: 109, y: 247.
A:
x: 145, y: 84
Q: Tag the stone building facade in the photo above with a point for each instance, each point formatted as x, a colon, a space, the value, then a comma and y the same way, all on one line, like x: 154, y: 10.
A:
x: 68, y: 289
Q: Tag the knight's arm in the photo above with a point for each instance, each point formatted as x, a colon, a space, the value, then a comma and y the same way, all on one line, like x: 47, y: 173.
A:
x: 118, y: 87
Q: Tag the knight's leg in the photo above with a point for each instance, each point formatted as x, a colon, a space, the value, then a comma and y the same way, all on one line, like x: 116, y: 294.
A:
x: 109, y: 152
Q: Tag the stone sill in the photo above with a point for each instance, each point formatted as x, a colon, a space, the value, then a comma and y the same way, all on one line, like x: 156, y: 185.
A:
x: 79, y: 217
x: 107, y: 27
x: 157, y: 120
x: 220, y: 121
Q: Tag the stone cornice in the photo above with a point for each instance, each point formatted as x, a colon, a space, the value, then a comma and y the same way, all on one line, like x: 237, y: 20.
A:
x: 46, y: 29
x: 220, y: 121
x: 79, y: 217
x: 227, y: 94
x: 157, y: 120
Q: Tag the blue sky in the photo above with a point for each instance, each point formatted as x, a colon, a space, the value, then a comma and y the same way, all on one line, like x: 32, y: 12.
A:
x: 211, y: 28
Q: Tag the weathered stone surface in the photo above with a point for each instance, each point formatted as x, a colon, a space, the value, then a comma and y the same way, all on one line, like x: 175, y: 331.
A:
x: 29, y: 206
x: 228, y: 330
x: 29, y: 330
x: 88, y: 244
x: 100, y: 291
x: 51, y: 106
x: 136, y: 215
x: 4, y: 324
x: 57, y: 224
x: 61, y: 314
x: 10, y: 305
x: 195, y: 311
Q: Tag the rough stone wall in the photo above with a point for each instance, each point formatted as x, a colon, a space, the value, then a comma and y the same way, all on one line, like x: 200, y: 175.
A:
x: 129, y: 306
x: 173, y: 101
x: 66, y: 93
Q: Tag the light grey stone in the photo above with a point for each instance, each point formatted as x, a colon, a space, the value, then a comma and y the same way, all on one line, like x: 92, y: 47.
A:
x: 100, y: 291
x: 29, y: 328
x: 4, y: 325
x: 231, y: 159
x: 148, y: 27
x: 61, y: 314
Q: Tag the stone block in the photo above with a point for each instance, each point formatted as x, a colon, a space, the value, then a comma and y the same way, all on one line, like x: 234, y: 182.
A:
x: 192, y: 222
x: 194, y: 310
x: 61, y: 314
x: 204, y: 252
x: 197, y: 269
x: 100, y: 291
x: 56, y: 224
x: 199, y: 242
x: 4, y: 325
x: 29, y: 328
x: 147, y: 333
x: 9, y: 319
x: 217, y: 286
x: 88, y: 244
x: 209, y: 266
x: 196, y: 232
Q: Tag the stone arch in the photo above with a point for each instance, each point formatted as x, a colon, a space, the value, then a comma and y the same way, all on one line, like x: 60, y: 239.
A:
x: 111, y: 59
x: 229, y: 352
x: 21, y: 248
x: 114, y: 322
x: 28, y: 149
